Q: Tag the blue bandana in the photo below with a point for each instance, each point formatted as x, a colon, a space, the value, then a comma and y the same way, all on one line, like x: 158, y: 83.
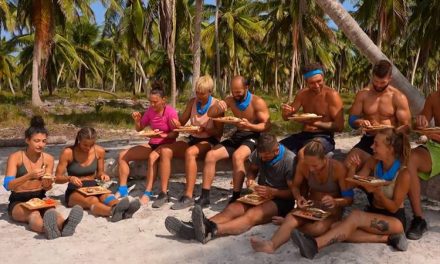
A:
x: 312, y: 73
x: 390, y: 174
x: 277, y: 157
x: 245, y: 103
x: 202, y: 110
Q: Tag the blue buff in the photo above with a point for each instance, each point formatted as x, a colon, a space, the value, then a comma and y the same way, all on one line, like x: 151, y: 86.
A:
x: 123, y: 190
x: 313, y: 73
x: 352, y: 119
x: 149, y: 194
x: 245, y: 103
x: 7, y: 180
x: 109, y: 199
x: 347, y: 193
x: 390, y: 174
x: 202, y: 110
x: 277, y: 157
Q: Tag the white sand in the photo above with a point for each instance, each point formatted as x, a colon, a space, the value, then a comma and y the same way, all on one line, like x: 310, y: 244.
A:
x: 144, y: 238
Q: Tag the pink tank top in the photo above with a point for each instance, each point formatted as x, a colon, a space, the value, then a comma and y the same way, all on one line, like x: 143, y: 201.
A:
x: 201, y: 120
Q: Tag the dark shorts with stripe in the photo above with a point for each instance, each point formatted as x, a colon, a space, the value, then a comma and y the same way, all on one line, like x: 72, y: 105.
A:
x: 195, y: 140
x: 365, y: 143
x: 241, y: 138
x: 297, y: 141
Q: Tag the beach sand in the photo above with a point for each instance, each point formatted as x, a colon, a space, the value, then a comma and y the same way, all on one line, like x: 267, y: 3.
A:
x: 144, y: 238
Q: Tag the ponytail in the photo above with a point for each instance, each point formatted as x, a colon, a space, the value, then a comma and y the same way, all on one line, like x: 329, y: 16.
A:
x: 37, y: 126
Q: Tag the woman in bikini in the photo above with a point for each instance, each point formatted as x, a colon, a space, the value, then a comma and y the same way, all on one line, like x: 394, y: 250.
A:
x: 159, y: 118
x: 326, y: 189
x: 24, y: 178
x: 199, y: 142
x: 84, y: 162
x: 384, y: 221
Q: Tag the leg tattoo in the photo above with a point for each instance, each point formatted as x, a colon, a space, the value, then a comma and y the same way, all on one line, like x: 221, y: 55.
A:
x: 380, y: 225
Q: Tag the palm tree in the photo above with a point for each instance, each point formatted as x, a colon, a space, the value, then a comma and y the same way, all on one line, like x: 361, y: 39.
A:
x: 196, y: 43
x: 167, y: 19
x: 7, y: 21
x: 351, y: 29
x: 7, y: 63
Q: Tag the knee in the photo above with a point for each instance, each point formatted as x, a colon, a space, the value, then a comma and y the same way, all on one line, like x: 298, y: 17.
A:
x: 191, y: 153
x: 211, y: 157
x: 238, y: 158
x: 122, y: 155
x: 92, y: 200
x: 166, y: 153
x: 152, y: 158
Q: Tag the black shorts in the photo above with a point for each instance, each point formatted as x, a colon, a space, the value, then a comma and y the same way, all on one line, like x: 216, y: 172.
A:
x: 154, y: 146
x: 284, y: 206
x: 195, y: 140
x: 71, y: 188
x: 400, y: 214
x: 365, y: 143
x: 241, y: 138
x: 297, y: 141
x: 22, y: 197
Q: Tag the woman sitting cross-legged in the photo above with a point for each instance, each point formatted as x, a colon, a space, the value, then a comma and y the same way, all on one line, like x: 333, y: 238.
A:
x: 384, y: 221
x: 326, y: 183
x: 24, y: 178
x: 199, y: 143
x: 84, y: 162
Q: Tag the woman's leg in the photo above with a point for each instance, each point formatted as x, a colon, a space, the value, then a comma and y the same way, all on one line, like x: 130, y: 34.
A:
x: 140, y: 152
x: 419, y: 161
x: 280, y: 237
x: 92, y: 203
x: 32, y: 217
x: 167, y: 152
x: 191, y: 155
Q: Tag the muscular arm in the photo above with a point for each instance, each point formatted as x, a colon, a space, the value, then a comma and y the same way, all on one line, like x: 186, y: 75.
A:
x: 336, y: 112
x: 297, y: 103
x: 357, y: 108
x: 400, y: 191
x: 11, y: 170
x: 185, y: 116
x: 216, y: 110
x: 101, y: 159
x: 263, y: 116
x: 403, y: 114
x: 60, y: 176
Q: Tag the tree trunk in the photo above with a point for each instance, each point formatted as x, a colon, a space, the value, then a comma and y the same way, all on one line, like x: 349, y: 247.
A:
x: 36, y: 100
x: 277, y: 93
x: 144, y: 77
x: 196, y: 44
x: 12, y: 87
x: 416, y: 61
x: 114, y: 78
x: 351, y: 29
x: 302, y: 10
x: 217, y: 49
x: 292, y: 74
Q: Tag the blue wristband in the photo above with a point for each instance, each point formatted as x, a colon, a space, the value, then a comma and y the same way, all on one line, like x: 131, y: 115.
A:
x: 348, y: 193
x: 109, y: 199
x: 123, y: 190
x: 7, y: 180
x: 352, y: 119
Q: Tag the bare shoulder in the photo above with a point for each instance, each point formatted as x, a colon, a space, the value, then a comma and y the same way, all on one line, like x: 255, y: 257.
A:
x: 258, y: 102
x: 100, y: 151
x: 403, y: 175
x: 332, y: 94
x: 338, y: 166
x: 398, y: 96
x: 67, y: 152
x: 16, y: 156
x: 48, y: 157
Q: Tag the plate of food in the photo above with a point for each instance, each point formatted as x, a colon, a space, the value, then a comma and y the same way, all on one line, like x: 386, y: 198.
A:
x: 187, y: 129
x: 368, y: 180
x: 37, y: 203
x: 149, y: 133
x: 305, y: 116
x: 311, y: 213
x: 94, y: 190
x: 428, y: 130
x: 376, y: 128
x: 228, y: 119
x: 252, y: 199
x: 48, y: 176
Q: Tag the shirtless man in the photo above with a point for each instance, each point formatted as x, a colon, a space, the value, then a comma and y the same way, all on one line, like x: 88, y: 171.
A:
x: 377, y: 104
x: 424, y: 163
x: 255, y: 119
x: 319, y: 99
x: 274, y: 165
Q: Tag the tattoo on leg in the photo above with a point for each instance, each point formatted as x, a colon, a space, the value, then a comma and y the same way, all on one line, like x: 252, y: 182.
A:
x: 380, y: 225
x: 337, y: 238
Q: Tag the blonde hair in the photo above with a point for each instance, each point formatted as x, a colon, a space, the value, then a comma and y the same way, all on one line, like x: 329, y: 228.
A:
x: 399, y: 142
x: 315, y: 149
x: 204, y: 84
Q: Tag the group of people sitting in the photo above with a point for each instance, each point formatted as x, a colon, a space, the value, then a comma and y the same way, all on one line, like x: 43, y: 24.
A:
x: 287, y: 174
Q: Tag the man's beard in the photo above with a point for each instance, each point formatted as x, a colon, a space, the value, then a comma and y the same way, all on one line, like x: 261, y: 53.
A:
x: 380, y: 89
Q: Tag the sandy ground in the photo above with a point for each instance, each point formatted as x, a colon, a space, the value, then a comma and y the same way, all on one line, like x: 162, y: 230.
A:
x: 145, y: 239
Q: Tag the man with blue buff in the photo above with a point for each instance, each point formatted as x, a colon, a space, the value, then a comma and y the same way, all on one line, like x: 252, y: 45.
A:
x: 320, y: 99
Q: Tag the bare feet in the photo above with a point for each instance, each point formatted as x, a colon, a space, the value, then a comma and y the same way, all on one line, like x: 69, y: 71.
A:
x: 144, y: 199
x: 260, y: 245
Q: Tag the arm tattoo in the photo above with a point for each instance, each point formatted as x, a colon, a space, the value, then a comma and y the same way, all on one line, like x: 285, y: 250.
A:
x: 380, y: 225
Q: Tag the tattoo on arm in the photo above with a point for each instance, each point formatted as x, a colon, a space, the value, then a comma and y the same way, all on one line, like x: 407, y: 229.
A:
x: 380, y: 225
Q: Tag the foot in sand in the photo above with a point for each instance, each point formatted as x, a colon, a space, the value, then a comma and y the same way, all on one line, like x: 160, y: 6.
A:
x: 306, y: 244
x: 179, y: 228
x: 132, y: 208
x: 50, y: 224
x: 260, y: 245
x: 119, y: 209
x: 144, y: 199
x: 72, y: 221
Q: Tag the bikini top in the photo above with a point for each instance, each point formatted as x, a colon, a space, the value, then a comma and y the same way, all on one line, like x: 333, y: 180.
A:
x: 330, y: 186
x: 74, y: 168
x: 21, y: 170
x: 390, y: 175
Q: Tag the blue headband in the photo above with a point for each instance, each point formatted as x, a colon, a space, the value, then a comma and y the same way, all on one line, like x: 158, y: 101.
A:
x: 312, y: 73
